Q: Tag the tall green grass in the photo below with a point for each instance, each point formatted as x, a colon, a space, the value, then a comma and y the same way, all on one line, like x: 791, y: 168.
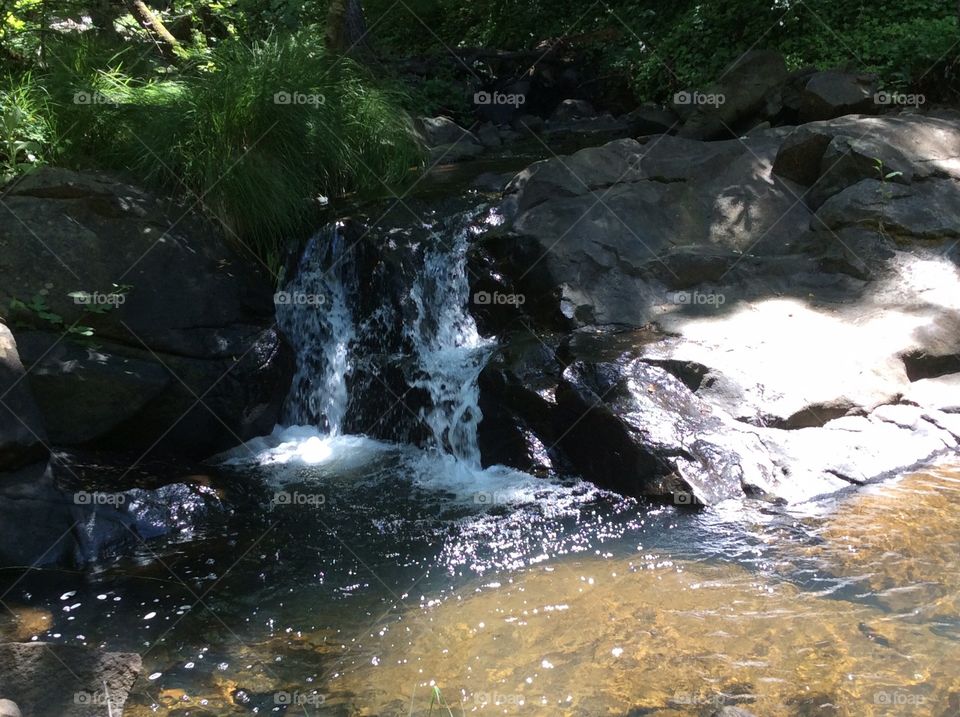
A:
x: 222, y: 134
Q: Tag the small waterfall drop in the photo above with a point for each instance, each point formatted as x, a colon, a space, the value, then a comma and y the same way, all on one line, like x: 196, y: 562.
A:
x: 450, y: 353
x: 370, y: 332
x: 314, y: 314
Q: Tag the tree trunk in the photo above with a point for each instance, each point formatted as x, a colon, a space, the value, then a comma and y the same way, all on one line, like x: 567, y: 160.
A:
x: 152, y: 23
x: 347, y: 28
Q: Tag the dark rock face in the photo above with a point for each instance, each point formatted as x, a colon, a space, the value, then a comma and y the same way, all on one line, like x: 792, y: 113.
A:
x: 740, y: 94
x: 573, y: 109
x: 79, y: 519
x: 184, y: 357
x: 22, y: 434
x: 831, y: 94
x: 447, y: 141
x: 637, y: 429
x: 34, y: 676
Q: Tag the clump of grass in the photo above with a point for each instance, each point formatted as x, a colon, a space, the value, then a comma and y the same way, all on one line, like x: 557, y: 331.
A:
x: 25, y: 128
x: 252, y: 135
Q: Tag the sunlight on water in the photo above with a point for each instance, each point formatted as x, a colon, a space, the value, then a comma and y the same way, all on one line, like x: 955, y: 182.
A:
x: 562, y: 602
x: 595, y: 636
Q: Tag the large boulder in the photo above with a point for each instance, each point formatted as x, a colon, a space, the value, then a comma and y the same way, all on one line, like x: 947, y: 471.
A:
x: 840, y: 327
x: 652, y: 119
x: 927, y: 210
x: 51, y: 679
x: 832, y: 94
x: 620, y: 209
x: 738, y: 96
x: 183, y: 355
x: 637, y: 429
x: 573, y: 109
x: 22, y: 434
x: 447, y: 141
x: 830, y: 156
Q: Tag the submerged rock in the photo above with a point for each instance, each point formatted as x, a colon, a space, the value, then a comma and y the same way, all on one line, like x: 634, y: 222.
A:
x: 67, y: 681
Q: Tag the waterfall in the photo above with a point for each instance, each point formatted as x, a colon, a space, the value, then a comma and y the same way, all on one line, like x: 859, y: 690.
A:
x: 450, y: 353
x: 314, y: 314
x: 417, y: 327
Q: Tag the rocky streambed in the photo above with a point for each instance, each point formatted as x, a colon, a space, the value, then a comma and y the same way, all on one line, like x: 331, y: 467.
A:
x: 690, y: 317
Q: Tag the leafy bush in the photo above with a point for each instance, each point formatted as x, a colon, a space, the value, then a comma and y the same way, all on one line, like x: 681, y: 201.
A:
x: 270, y: 126
x: 663, y: 47
x: 24, y: 124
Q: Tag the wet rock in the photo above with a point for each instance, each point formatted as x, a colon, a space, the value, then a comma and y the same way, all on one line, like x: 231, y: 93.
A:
x: 941, y: 392
x: 517, y: 399
x: 22, y: 434
x: 113, y: 395
x: 637, y: 429
x: 832, y: 94
x: 52, y: 679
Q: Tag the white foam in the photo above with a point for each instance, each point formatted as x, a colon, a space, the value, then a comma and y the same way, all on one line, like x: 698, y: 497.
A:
x: 293, y: 447
x: 305, y: 446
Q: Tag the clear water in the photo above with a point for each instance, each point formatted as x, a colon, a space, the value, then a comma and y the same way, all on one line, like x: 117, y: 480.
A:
x: 552, y: 599
x: 363, y: 577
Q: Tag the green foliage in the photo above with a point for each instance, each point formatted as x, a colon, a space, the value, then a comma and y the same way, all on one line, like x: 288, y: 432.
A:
x: 664, y: 47
x: 28, y: 314
x: 220, y: 132
x: 24, y: 125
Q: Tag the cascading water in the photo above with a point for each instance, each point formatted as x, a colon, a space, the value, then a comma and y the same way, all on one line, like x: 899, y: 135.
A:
x: 450, y: 353
x: 424, y: 330
x: 314, y: 313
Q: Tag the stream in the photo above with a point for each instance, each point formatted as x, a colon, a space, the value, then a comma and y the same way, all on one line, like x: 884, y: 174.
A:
x: 373, y: 566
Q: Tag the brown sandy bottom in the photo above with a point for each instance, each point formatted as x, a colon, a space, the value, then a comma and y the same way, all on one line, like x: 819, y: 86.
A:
x: 650, y: 635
